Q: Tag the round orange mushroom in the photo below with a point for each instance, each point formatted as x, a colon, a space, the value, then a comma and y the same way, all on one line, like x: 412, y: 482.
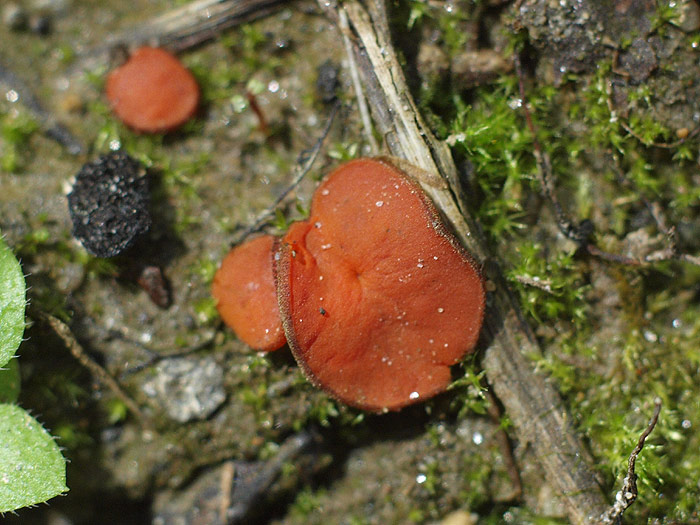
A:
x: 244, y: 287
x: 152, y: 91
x: 378, y: 299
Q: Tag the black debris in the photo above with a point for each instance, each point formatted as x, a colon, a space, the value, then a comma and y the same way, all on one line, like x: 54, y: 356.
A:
x: 109, y: 204
x: 327, y: 82
x: 40, y: 24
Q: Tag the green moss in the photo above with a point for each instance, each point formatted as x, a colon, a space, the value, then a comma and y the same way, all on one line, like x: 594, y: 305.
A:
x: 450, y: 22
x: 343, y: 151
x: 305, y: 503
x: 205, y: 310
x: 16, y: 128
x: 492, y: 135
x: 551, y: 286
x: 655, y: 356
x: 469, y: 391
x: 666, y: 12
x: 603, y: 172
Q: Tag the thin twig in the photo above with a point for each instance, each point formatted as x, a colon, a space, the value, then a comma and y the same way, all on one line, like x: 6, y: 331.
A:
x: 228, y: 473
x: 612, y: 257
x: 183, y: 27
x: 628, y: 494
x: 357, y: 85
x: 157, y: 355
x: 309, y: 157
x: 544, y: 171
x: 64, y: 332
x: 657, y: 212
x: 543, y: 284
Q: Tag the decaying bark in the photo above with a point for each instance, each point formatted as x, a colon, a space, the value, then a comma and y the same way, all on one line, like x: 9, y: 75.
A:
x: 197, y: 22
x: 180, y: 28
x: 532, y: 403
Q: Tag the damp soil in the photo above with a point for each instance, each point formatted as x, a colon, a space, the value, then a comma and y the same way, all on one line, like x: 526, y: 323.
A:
x: 215, y: 412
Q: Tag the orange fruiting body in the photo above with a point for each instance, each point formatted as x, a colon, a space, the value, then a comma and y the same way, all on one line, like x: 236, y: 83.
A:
x: 377, y: 298
x: 244, y: 288
x: 152, y: 92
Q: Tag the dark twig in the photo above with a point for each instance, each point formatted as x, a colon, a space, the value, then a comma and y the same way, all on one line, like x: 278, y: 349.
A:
x: 155, y: 355
x: 612, y: 257
x: 307, y: 159
x: 628, y: 494
x: 583, y: 231
x: 53, y: 129
x: 246, y: 496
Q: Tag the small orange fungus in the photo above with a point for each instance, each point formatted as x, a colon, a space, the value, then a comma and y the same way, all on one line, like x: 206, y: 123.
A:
x: 377, y: 298
x: 244, y: 287
x: 152, y: 92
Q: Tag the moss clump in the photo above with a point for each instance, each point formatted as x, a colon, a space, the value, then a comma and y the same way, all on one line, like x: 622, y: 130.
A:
x: 16, y: 129
x: 613, y: 339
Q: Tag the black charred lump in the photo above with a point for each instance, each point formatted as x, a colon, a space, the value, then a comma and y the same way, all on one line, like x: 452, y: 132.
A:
x: 109, y: 204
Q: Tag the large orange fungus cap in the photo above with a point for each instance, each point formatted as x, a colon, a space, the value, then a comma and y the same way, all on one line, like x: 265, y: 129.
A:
x: 377, y: 298
x: 152, y: 91
x: 244, y: 288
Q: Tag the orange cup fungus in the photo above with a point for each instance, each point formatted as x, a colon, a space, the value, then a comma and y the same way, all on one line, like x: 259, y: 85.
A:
x: 244, y: 287
x: 152, y: 92
x: 377, y: 298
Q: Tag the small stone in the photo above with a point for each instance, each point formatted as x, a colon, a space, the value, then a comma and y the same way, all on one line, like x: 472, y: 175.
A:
x: 187, y: 388
x: 109, y: 204
x: 152, y: 280
x: 460, y: 517
x: 682, y: 133
x: 639, y: 60
x: 689, y: 19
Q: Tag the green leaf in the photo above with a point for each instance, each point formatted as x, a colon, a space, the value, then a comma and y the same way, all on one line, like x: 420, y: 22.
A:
x: 12, y: 301
x: 32, y: 469
x: 9, y: 382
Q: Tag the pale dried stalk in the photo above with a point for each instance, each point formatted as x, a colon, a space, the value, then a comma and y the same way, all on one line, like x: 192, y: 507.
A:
x: 532, y: 403
x: 180, y: 28
x: 357, y: 84
x: 196, y: 22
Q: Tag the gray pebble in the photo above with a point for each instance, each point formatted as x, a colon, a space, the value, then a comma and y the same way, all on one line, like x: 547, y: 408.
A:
x: 187, y: 388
